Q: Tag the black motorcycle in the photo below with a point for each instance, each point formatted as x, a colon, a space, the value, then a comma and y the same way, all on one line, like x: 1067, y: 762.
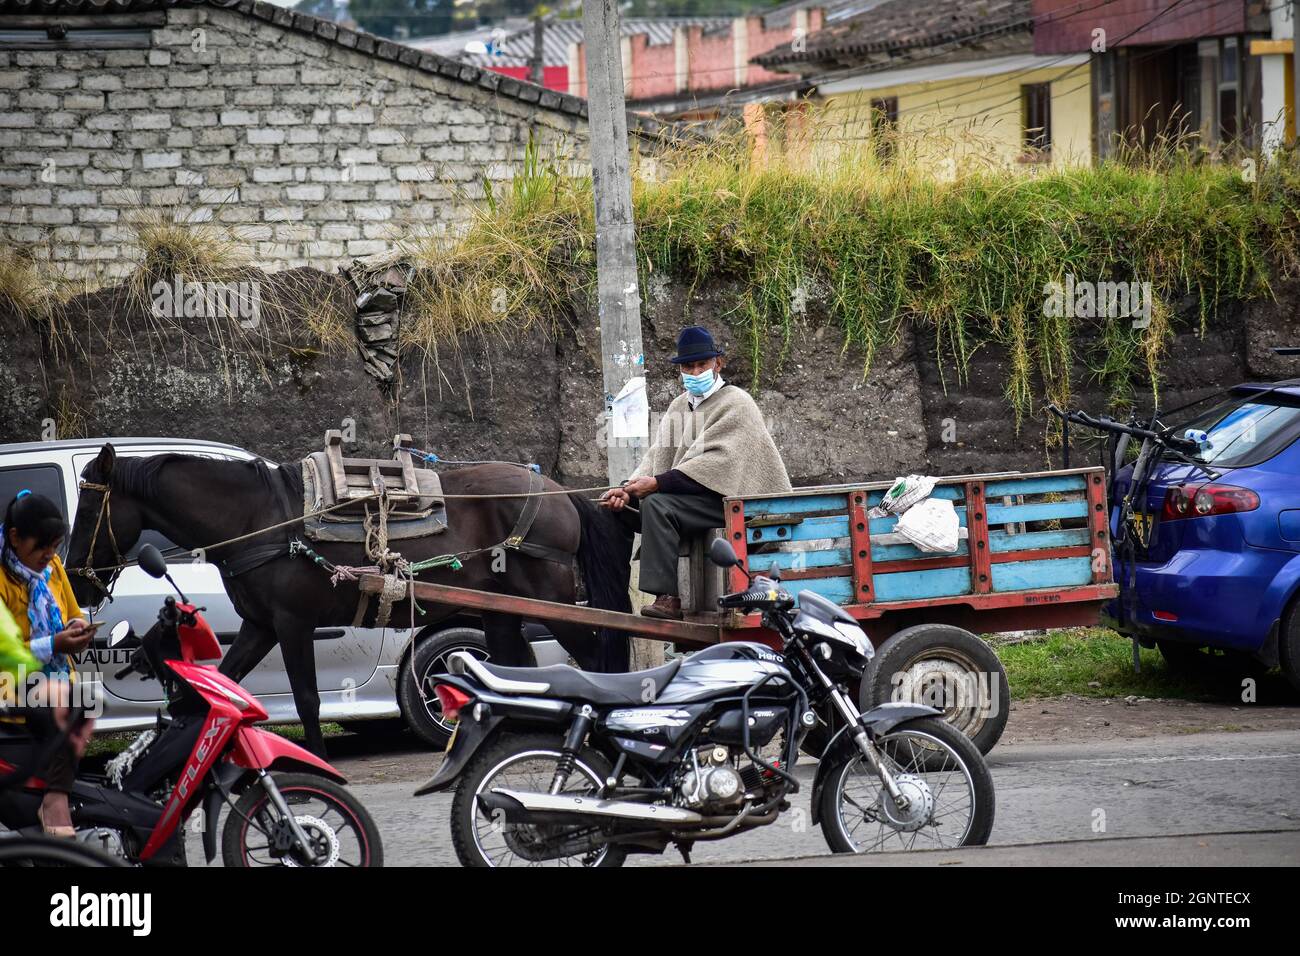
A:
x: 557, y: 766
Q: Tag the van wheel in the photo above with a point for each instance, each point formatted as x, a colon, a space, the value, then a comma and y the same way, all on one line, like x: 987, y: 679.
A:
x: 415, y: 693
x: 1288, y: 645
x: 947, y: 668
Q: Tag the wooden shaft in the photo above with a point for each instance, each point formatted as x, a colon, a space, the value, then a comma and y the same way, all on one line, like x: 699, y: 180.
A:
x: 679, y: 632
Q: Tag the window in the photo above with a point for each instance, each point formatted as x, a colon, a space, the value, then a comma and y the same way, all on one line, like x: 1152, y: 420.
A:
x: 1247, y: 430
x: 884, y: 127
x: 1036, y: 119
x: 1104, y: 105
x: 44, y: 480
x: 1229, y: 90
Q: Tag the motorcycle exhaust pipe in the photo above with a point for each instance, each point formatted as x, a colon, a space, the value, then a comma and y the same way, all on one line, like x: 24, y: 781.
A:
x: 524, y: 806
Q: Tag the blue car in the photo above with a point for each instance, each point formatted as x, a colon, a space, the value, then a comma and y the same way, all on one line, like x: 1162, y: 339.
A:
x: 1217, y: 560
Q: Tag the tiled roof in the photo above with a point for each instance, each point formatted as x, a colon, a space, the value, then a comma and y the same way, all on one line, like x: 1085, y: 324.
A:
x: 900, y: 26
x: 360, y: 41
x: 516, y: 47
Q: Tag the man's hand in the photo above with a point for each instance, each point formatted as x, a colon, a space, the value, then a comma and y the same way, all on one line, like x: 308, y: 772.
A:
x: 640, y: 487
x: 615, y: 499
x: 74, y: 638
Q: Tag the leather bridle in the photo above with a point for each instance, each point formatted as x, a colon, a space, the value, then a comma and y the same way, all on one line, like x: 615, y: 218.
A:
x: 105, y: 519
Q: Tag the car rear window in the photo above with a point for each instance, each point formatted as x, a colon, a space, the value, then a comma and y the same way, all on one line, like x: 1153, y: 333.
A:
x: 1247, y: 430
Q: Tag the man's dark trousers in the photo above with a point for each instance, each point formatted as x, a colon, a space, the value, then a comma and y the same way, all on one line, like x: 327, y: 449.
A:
x: 665, y: 521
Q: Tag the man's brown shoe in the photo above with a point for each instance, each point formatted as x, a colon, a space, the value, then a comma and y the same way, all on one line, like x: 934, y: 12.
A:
x: 665, y: 607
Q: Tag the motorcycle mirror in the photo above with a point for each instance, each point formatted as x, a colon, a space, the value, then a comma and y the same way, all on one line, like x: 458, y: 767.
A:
x: 121, y: 631
x: 152, y: 561
x: 723, y: 554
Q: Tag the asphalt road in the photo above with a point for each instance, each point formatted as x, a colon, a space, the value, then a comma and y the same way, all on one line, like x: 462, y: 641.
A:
x: 1193, y: 784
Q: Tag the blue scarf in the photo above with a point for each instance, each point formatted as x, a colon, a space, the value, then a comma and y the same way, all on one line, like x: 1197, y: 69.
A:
x: 42, y: 610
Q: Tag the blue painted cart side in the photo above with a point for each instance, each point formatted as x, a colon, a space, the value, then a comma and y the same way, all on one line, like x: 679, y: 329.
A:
x: 1028, y: 541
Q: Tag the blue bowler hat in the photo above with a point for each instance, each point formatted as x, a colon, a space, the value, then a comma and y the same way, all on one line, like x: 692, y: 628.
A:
x: 694, y: 344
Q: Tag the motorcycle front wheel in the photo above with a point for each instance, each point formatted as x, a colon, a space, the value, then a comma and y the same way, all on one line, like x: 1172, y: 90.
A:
x: 527, y: 762
x: 337, y: 825
x: 948, y: 786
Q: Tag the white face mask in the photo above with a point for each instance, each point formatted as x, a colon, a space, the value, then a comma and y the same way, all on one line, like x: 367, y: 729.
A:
x: 700, y: 384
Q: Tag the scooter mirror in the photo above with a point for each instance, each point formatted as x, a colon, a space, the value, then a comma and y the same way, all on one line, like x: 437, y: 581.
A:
x: 722, y: 553
x: 152, y: 561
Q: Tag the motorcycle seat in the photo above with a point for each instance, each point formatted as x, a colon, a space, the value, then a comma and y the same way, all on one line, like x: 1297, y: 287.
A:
x: 569, y: 683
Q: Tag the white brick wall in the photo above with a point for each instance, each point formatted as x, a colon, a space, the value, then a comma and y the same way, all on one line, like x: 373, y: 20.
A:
x: 309, y: 152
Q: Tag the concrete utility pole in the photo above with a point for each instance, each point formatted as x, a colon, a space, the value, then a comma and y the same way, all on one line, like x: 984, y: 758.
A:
x: 537, y: 65
x: 618, y: 298
x: 616, y: 279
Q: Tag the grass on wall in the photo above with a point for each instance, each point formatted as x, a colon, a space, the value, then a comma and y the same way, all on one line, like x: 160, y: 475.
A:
x: 884, y: 246
x: 873, y: 247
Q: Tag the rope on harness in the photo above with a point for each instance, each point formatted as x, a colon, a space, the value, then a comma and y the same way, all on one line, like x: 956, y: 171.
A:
x: 433, y: 459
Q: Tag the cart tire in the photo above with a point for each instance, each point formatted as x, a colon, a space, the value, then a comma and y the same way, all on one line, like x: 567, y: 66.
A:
x: 943, y: 666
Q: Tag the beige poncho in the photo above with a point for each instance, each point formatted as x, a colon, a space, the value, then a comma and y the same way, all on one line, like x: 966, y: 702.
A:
x: 723, y: 444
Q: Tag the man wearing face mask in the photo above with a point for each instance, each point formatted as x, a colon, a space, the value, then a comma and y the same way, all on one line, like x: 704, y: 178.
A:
x: 711, y: 443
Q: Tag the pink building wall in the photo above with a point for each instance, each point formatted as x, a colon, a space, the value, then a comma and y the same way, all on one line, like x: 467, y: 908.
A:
x: 654, y: 68
x: 710, y: 58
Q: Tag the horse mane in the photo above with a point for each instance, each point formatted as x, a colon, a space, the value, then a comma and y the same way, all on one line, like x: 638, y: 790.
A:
x: 139, y: 477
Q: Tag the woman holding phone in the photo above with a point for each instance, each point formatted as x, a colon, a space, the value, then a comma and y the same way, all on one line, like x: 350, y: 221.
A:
x: 36, y: 590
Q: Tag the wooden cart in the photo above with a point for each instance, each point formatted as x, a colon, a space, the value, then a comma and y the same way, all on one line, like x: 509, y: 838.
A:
x: 1034, y: 553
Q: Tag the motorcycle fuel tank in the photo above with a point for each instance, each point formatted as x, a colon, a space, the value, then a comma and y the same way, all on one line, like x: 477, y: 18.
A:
x: 724, y: 670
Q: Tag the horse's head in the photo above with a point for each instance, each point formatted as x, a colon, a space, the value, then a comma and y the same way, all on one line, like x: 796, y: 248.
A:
x: 106, y: 527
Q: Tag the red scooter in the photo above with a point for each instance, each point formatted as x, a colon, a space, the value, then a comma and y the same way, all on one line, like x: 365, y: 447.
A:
x: 288, y: 806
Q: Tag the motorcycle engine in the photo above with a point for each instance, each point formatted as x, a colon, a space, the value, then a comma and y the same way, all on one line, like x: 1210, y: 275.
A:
x: 103, y: 839
x: 711, y: 782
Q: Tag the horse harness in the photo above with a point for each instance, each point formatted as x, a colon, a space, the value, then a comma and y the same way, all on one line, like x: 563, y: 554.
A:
x: 395, y: 582
x: 255, y: 557
x: 119, y: 562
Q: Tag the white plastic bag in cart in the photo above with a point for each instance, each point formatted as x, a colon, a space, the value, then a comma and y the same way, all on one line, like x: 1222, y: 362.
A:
x: 903, y: 494
x: 931, y: 525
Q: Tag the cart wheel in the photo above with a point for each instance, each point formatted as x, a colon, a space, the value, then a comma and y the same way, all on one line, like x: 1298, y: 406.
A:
x: 947, y: 668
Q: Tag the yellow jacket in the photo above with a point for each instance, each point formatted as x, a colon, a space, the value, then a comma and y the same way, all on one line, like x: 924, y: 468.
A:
x: 14, y: 596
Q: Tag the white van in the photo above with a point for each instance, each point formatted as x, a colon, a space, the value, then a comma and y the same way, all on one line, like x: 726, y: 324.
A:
x: 361, y: 672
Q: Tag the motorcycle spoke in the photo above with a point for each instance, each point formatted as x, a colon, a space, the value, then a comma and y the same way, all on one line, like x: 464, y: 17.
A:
x: 512, y: 844
x: 929, y: 764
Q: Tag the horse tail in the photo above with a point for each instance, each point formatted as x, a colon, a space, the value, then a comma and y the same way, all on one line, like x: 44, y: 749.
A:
x: 605, y: 562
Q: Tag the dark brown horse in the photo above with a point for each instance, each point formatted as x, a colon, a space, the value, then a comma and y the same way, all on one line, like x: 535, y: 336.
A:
x: 196, y: 502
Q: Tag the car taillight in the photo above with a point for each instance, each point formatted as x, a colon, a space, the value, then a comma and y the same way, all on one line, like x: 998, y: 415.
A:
x: 451, y: 699
x: 1202, y: 501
